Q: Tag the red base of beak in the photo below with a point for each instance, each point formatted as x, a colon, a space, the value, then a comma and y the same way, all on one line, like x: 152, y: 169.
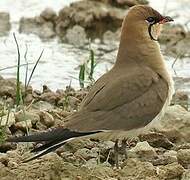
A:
x: 165, y: 20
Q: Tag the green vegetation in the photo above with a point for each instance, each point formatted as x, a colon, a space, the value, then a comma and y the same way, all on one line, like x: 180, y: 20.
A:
x: 87, y: 69
x: 19, y: 96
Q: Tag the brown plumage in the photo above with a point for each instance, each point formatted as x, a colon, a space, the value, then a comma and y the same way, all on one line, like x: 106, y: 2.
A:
x: 131, y: 95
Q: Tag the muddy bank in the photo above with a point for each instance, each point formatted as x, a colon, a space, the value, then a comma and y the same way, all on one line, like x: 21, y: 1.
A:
x: 161, y: 153
x: 91, y: 19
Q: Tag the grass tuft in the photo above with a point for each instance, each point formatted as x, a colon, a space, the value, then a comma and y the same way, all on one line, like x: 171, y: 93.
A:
x: 87, y: 69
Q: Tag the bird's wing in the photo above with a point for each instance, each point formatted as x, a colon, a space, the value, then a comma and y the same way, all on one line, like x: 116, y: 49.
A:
x: 123, y: 90
x: 129, y: 102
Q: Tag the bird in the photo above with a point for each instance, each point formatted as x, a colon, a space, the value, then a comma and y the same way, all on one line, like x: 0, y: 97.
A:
x: 133, y: 94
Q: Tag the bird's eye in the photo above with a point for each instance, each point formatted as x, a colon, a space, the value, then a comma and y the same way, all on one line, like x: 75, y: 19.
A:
x: 151, y: 20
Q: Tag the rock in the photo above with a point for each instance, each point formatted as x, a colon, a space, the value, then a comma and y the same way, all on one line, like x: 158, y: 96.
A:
x: 76, y: 36
x: 76, y: 144
x: 135, y: 169
x: 42, y: 106
x: 73, y: 102
x: 68, y: 156
x: 170, y: 171
x: 28, y: 99
x: 32, y: 116
x: 91, y: 163
x: 180, y: 98
x: 182, y: 146
x: 172, y: 156
x: 8, y: 119
x: 167, y: 158
x: 50, y: 97
x: 156, y: 140
x: 4, y: 159
x: 46, y: 89
x: 5, y: 23
x: 186, y: 175
x: 93, y: 16
x: 48, y: 14
x: 23, y: 125
x: 5, y: 173
x: 183, y: 156
x: 175, y: 124
x: 86, y: 154
x: 8, y: 87
x: 6, y: 146
x: 142, y: 150
x: 36, y: 26
x: 106, y: 145
x: 46, y: 119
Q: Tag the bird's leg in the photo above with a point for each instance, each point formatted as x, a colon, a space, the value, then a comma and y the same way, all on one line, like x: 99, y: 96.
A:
x: 116, y: 153
x: 124, y: 146
x: 120, y: 150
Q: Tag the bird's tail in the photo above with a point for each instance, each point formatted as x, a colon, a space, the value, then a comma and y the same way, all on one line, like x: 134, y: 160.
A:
x: 52, y: 140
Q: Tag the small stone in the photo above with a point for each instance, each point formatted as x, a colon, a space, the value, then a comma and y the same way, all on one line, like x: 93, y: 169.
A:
x: 8, y: 119
x: 76, y: 36
x: 6, y: 146
x: 91, y: 163
x: 43, y: 106
x: 32, y: 116
x: 133, y: 167
x: 48, y: 14
x: 46, y: 119
x: 175, y: 124
x: 167, y: 158
x: 183, y: 156
x: 180, y: 98
x: 186, y: 175
x: 50, y: 97
x: 156, y: 140
x: 171, y: 156
x: 28, y: 99
x: 23, y: 125
x: 86, y: 154
x: 170, y: 171
x: 76, y: 144
x: 142, y: 150
x: 40, y: 27
x: 4, y: 158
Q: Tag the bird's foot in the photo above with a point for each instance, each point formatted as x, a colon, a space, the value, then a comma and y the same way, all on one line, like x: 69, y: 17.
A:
x: 126, y: 143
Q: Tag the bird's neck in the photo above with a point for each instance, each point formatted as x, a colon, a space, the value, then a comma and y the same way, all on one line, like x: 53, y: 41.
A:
x: 136, y: 47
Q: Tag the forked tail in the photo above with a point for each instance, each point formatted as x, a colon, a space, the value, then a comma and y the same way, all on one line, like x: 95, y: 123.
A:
x: 52, y: 140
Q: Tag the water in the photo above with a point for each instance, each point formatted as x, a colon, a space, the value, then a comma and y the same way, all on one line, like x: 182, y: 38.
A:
x: 59, y: 63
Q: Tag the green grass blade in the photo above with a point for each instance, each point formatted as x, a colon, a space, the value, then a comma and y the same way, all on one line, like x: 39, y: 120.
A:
x: 26, y: 73
x: 92, y: 64
x: 15, y: 66
x: 82, y: 75
x: 18, y: 73
x: 30, y: 77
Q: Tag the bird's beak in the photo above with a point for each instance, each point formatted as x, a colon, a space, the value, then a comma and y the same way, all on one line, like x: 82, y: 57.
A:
x: 165, y: 19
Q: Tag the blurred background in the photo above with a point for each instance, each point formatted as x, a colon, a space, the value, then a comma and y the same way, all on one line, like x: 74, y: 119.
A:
x: 68, y: 29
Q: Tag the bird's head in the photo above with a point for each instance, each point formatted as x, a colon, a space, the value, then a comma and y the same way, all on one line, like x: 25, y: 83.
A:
x: 144, y: 19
